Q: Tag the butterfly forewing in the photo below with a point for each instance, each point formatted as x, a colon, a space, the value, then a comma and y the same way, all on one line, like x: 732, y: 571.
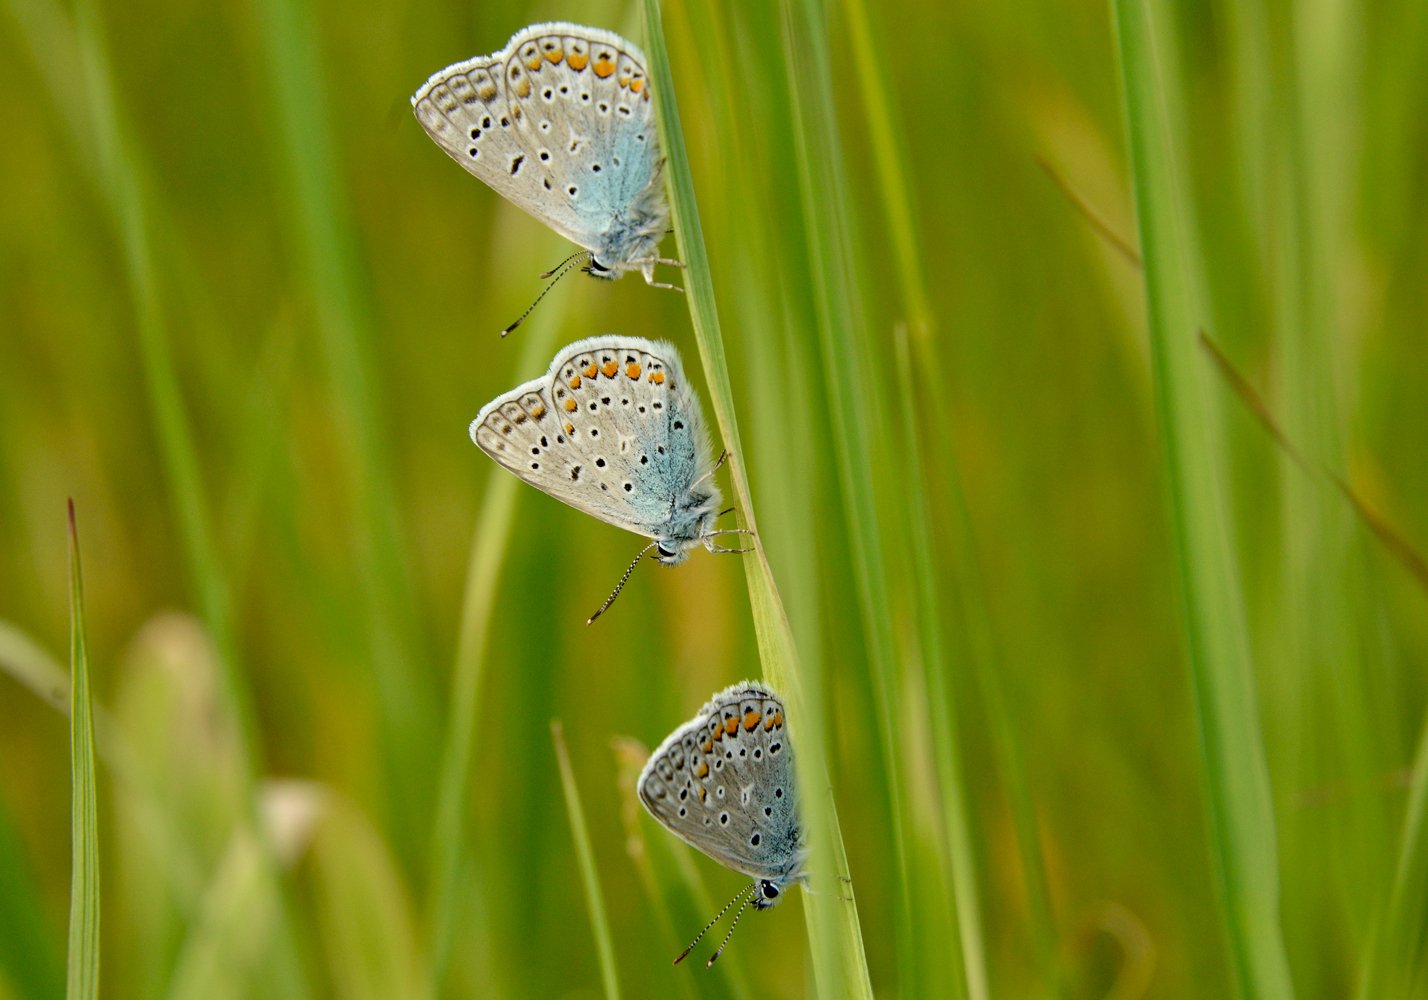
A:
x: 611, y: 429
x: 559, y: 121
x: 724, y: 783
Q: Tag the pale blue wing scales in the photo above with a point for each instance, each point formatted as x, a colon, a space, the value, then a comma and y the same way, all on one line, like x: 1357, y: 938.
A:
x: 637, y: 419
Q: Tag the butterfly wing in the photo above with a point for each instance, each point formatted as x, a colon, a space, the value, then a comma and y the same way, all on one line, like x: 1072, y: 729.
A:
x: 724, y: 783
x: 559, y: 122
x: 612, y: 430
x: 628, y: 408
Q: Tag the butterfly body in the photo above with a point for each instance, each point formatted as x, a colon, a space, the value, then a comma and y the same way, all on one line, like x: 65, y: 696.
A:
x: 561, y: 123
x: 724, y: 783
x: 613, y: 429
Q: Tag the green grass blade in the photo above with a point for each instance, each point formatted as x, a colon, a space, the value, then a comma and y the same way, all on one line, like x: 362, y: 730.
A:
x: 957, y: 849
x: 1394, y: 958
x: 324, y: 249
x: 853, y: 403
x: 29, y: 956
x: 488, y: 553
x: 82, y: 981
x: 594, y: 898
x: 66, y: 51
x: 835, y: 937
x: 1243, y: 838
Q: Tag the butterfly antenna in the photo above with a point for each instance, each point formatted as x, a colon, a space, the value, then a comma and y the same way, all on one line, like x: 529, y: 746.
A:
x: 698, y: 937
x: 621, y: 586
x: 564, y: 269
x: 725, y: 942
x: 578, y: 253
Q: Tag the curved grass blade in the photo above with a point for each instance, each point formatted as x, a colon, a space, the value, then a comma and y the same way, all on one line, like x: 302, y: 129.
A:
x: 82, y: 981
x: 1243, y: 838
x: 835, y: 937
x: 594, y: 898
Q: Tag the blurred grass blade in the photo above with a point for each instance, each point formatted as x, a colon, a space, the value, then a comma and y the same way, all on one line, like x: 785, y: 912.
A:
x: 82, y: 982
x: 1236, y: 776
x: 594, y: 899
x: 489, y: 545
x: 853, y: 403
x: 29, y: 956
x: 834, y: 933
x: 1394, y: 959
x: 1390, y: 537
x: 324, y: 247
x: 1090, y: 213
x: 64, y: 52
x: 947, y: 754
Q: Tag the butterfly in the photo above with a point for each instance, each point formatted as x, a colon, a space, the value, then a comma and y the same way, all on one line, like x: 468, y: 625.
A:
x: 561, y: 123
x: 614, y: 429
x: 724, y: 783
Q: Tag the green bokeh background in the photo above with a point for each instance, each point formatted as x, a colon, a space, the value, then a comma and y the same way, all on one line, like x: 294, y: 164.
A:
x: 234, y: 200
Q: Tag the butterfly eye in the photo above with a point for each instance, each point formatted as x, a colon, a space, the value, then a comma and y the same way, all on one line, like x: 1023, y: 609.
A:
x: 770, y: 891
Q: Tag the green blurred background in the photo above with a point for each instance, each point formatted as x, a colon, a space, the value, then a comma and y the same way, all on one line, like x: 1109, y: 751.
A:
x: 247, y: 310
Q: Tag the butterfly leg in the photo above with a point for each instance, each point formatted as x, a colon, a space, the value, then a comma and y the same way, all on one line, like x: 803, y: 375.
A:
x: 647, y: 266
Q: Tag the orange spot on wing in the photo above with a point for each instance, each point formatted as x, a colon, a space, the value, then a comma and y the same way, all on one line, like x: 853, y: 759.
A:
x: 657, y: 378
x: 632, y: 370
x: 751, y: 720
x: 523, y: 89
x: 609, y: 370
x: 778, y: 718
x: 569, y: 429
x: 636, y: 84
x: 604, y: 66
x: 707, y: 746
x: 768, y: 723
x: 533, y: 63
x: 703, y: 771
x: 578, y: 60
x: 554, y: 53
x: 589, y: 370
x: 704, y: 792
x: 575, y: 382
x: 731, y: 725
x: 570, y: 406
x: 538, y: 412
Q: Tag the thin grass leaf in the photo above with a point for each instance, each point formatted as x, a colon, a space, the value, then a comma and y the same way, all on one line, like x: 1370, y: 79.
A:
x: 594, y: 898
x: 324, y: 248
x: 835, y: 937
x: 854, y: 407
x: 66, y: 51
x: 1243, y: 839
x: 1394, y: 959
x: 489, y: 545
x: 82, y: 980
x: 957, y: 847
x: 30, y: 962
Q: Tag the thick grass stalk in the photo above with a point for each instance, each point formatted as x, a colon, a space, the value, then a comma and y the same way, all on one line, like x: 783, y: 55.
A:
x: 835, y: 937
x: 589, y: 875
x: 489, y: 545
x: 82, y: 981
x: 1243, y: 844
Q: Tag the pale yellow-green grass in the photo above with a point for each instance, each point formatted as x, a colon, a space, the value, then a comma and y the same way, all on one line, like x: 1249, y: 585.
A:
x: 1099, y: 688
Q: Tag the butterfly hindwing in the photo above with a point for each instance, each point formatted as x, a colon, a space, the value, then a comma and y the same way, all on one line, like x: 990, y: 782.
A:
x: 724, y: 783
x: 628, y: 408
x: 611, y: 429
x: 559, y: 122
